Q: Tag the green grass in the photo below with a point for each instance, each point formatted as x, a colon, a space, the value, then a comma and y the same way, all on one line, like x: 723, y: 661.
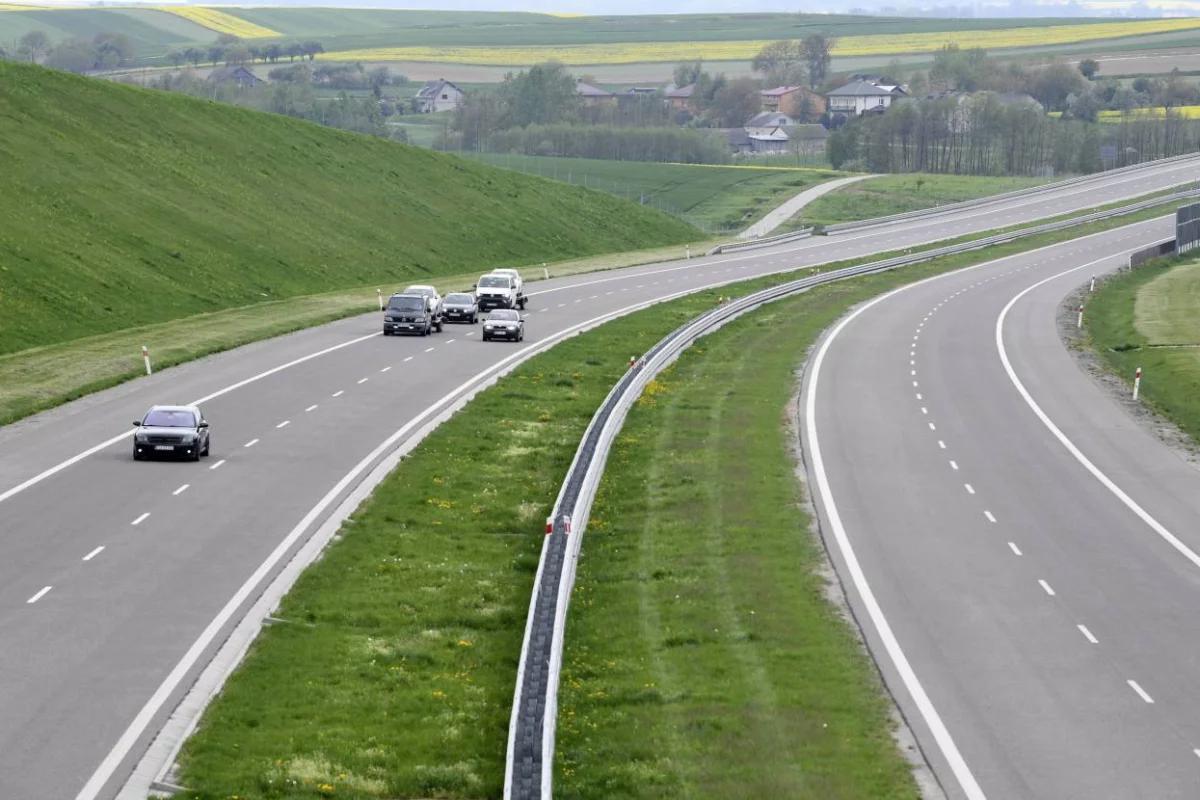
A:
x: 125, y: 207
x: 394, y: 674
x: 153, y: 32
x: 702, y: 657
x: 1148, y: 318
x: 895, y: 194
x: 714, y: 198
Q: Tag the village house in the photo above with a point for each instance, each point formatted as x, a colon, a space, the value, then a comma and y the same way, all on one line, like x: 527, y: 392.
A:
x: 680, y: 97
x: 795, y: 101
x: 243, y: 77
x: 594, y: 95
x: 861, y: 96
x: 439, y: 95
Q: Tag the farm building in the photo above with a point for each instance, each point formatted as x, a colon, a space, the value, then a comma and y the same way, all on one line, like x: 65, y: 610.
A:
x: 439, y: 95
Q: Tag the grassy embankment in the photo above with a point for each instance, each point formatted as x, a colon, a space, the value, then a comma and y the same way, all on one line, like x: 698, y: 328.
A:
x: 896, y: 194
x: 1150, y: 318
x: 126, y: 209
x: 396, y: 676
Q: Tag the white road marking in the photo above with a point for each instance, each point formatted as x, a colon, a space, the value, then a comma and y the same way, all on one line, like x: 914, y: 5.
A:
x: 385, y: 369
x: 912, y: 353
x: 915, y: 384
x: 970, y: 488
x: 1197, y: 752
x: 251, y: 443
x: 1087, y: 634
x: 542, y: 310
x: 914, y: 372
x: 953, y: 465
x: 1107, y: 482
x: 410, y: 358
x: 1046, y: 586
x: 924, y: 410
x: 562, y: 305
x: 180, y: 490
x: 593, y: 297
x: 912, y: 363
x: 472, y: 333
x: 918, y: 395
x: 39, y: 595
x: 1132, y: 685
x: 94, y: 553
x: 891, y: 645
x: 361, y: 381
x: 140, y: 519
x: 313, y: 407
x: 1013, y: 546
x: 431, y: 349
x: 284, y: 424
x: 941, y: 444
x: 340, y: 392
x: 451, y: 341
x: 580, y: 300
x: 219, y: 463
x: 988, y: 514
x: 932, y: 427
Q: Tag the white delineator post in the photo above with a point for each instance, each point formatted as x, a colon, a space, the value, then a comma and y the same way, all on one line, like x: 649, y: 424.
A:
x: 689, y: 251
x: 545, y: 272
x: 1079, y: 321
x: 1137, y: 382
x: 379, y: 295
x: 146, y: 358
x: 1092, y: 288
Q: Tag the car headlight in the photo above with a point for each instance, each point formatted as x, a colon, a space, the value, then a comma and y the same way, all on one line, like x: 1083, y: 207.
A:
x: 389, y: 319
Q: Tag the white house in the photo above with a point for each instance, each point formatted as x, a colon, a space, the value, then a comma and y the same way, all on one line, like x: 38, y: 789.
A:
x: 439, y: 95
x: 859, y: 97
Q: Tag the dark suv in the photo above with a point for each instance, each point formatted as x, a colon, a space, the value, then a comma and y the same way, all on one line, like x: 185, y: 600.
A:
x: 409, y: 313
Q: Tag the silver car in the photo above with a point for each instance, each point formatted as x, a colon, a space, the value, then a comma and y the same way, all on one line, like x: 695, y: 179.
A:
x: 504, y: 323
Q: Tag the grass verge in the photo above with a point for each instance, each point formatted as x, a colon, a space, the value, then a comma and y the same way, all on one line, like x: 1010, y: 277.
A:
x: 1150, y: 318
x: 393, y: 676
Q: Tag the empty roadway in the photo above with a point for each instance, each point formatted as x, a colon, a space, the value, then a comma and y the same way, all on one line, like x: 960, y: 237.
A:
x: 90, y: 634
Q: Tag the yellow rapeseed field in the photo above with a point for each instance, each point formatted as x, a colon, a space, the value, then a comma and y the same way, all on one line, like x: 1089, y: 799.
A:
x: 220, y: 22
x: 643, y: 52
x: 1187, y: 112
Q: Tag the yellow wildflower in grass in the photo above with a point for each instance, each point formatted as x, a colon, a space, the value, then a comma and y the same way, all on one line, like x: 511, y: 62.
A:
x: 745, y: 50
x: 220, y: 22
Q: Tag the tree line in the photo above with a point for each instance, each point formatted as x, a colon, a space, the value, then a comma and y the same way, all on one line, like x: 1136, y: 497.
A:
x: 105, y: 50
x: 232, y: 51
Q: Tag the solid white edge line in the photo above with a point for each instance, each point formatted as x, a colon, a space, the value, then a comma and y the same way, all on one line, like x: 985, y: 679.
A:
x: 39, y: 595
x: 1107, y: 482
x: 94, y: 553
x: 1133, y: 685
x: 924, y: 705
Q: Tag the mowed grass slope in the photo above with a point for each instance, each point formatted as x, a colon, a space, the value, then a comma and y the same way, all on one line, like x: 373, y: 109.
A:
x: 125, y: 207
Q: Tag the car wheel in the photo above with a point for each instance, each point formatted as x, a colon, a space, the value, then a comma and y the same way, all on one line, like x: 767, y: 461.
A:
x: 521, y: 335
x: 474, y: 319
x: 196, y: 455
x: 386, y: 332
x: 440, y: 324
x: 207, y: 447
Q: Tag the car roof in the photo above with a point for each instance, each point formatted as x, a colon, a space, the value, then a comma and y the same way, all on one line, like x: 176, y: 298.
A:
x: 419, y: 287
x: 193, y: 409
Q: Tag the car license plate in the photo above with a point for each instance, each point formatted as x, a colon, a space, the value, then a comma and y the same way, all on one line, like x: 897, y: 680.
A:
x: 164, y: 447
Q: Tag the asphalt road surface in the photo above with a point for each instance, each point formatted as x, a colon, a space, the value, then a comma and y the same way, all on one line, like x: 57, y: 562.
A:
x: 111, y: 571
x: 1031, y: 549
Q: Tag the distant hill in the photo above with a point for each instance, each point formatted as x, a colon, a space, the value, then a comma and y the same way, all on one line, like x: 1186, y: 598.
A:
x: 124, y: 206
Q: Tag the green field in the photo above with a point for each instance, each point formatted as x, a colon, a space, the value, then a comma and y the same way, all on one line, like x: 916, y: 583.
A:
x: 126, y: 207
x: 153, y: 32
x: 1150, y: 318
x: 713, y: 198
x: 895, y: 194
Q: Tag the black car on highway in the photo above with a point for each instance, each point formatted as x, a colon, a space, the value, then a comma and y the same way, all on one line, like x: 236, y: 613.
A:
x: 461, y: 307
x: 504, y: 323
x: 171, y: 431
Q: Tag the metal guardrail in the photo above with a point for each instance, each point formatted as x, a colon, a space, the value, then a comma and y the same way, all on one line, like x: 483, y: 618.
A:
x: 999, y: 198
x: 530, y: 758
x: 765, y: 241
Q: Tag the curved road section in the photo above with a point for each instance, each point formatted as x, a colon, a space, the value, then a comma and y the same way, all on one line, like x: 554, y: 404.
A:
x: 118, y: 580
x: 1021, y: 554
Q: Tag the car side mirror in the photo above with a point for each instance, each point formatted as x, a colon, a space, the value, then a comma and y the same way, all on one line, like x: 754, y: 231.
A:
x: 137, y: 424
x: 203, y: 424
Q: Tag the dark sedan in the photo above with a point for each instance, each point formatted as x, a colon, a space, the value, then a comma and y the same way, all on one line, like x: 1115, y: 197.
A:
x: 504, y: 323
x: 172, y: 431
x: 461, y: 307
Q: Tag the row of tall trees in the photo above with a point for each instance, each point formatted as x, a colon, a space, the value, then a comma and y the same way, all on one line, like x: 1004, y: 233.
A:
x: 105, y: 50
x: 232, y: 51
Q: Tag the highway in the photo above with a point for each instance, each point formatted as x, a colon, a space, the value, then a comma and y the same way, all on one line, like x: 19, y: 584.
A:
x: 1031, y: 550
x: 119, y: 579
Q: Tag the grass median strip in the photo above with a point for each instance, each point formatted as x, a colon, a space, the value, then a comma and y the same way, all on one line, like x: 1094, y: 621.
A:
x: 392, y: 673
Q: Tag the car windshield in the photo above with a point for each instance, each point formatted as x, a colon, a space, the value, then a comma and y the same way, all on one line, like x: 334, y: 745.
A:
x: 163, y: 418
x: 406, y: 303
x: 427, y: 291
x: 493, y: 280
x: 504, y: 316
x: 458, y: 299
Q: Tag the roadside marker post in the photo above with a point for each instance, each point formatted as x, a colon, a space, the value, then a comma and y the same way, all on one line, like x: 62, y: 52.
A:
x: 1137, y: 382
x: 689, y: 251
x: 146, y: 358
x: 1079, y: 321
x: 632, y: 361
x: 549, y: 525
x: 545, y: 272
x: 1092, y: 288
x: 379, y: 296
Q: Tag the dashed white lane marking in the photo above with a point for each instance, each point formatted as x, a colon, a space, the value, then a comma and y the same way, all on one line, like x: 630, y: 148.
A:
x: 580, y: 300
x: 219, y: 463
x: 912, y: 363
x: 1197, y: 752
x: 941, y: 444
x: 1132, y: 685
x: 918, y: 395
x: 251, y: 443
x: 640, y: 285
x: 542, y: 310
x: 140, y: 519
x: 953, y: 465
x: 915, y: 384
x: 430, y: 349
x: 914, y: 372
x: 988, y: 514
x: 932, y: 427
x: 593, y: 297
x: 410, y: 358
x: 1087, y: 634
x: 562, y: 305
x: 1013, y: 546
x: 361, y: 381
x: 385, y: 369
x: 472, y: 333
x: 970, y: 488
x: 340, y: 392
x: 924, y: 410
x: 451, y: 341
x: 1046, y: 586
x: 912, y: 353
x: 180, y: 490
x: 39, y: 595
x: 313, y: 407
x: 94, y: 553
x: 284, y: 424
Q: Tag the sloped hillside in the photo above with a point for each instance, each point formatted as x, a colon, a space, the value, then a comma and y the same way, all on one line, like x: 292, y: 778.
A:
x: 122, y: 206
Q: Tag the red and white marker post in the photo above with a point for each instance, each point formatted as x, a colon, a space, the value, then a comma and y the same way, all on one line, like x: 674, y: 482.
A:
x: 1137, y: 382
x: 146, y: 358
x: 1079, y: 321
x: 632, y: 362
x: 549, y: 524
